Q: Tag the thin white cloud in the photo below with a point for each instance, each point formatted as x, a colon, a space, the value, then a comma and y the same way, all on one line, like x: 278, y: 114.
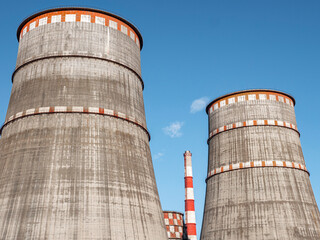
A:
x: 199, y: 104
x: 174, y: 129
x: 158, y: 155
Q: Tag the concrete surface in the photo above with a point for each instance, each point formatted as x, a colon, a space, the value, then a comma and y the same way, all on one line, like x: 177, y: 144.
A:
x: 73, y: 175
x: 258, y: 203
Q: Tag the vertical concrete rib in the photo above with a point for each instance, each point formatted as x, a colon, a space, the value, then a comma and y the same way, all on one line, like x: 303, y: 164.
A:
x: 189, y: 197
x: 75, y: 161
x: 258, y: 186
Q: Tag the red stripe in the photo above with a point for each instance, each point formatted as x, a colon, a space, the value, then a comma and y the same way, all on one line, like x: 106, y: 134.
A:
x: 191, y: 229
x: 189, y: 205
x: 188, y: 182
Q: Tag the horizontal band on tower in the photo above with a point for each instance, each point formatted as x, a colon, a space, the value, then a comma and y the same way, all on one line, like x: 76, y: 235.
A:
x: 84, y: 16
x: 75, y: 109
x: 250, y: 96
x: 189, y: 205
x: 77, y: 56
x: 188, y: 182
x: 191, y: 230
x: 250, y: 123
x: 192, y: 237
x: 256, y: 164
x: 190, y: 217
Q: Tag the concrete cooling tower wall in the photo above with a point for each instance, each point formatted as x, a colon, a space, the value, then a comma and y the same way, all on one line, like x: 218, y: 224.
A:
x: 75, y: 161
x: 258, y: 185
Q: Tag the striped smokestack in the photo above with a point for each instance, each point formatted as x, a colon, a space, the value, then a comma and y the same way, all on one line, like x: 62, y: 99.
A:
x: 189, y: 197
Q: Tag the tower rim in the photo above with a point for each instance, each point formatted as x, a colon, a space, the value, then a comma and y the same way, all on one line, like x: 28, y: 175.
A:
x: 26, y: 20
x: 168, y: 211
x: 248, y: 91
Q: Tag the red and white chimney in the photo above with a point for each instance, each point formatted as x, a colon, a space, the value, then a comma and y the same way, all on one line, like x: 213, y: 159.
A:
x: 190, y: 215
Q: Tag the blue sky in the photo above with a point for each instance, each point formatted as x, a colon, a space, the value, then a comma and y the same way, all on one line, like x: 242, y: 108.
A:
x: 200, y: 50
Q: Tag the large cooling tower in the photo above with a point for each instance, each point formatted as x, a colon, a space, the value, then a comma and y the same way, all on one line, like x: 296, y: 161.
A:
x: 258, y: 187
x: 75, y: 161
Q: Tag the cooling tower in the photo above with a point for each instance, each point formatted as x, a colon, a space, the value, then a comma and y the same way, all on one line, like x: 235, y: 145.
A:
x: 258, y: 186
x: 75, y: 160
x: 174, y: 224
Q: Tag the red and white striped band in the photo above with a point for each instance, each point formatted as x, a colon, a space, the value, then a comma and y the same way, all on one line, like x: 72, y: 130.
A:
x: 257, y: 164
x: 80, y: 16
x: 251, y: 96
x: 75, y: 109
x: 250, y: 123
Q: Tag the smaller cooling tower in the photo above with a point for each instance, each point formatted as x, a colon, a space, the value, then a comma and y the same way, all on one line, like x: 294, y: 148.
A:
x: 258, y: 186
x: 174, y: 224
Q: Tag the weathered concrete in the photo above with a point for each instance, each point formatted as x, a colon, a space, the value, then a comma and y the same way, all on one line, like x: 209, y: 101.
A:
x: 77, y: 175
x: 258, y: 202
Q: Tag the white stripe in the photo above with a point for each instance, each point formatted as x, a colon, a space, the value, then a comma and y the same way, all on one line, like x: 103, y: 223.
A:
x: 122, y: 115
x: 55, y: 18
x: 43, y: 21
x: 100, y: 20
x: 271, y: 122
x: 231, y: 100
x: 269, y: 163
x: 30, y: 111
x: 236, y: 166
x: 260, y: 122
x: 280, y: 123
x: 249, y: 123
x: 109, y: 112
x: 189, y: 194
x: 246, y: 165
x: 86, y: 18
x: 192, y: 237
x: 60, y: 109
x: 77, y: 109
x: 251, y: 97
x: 229, y: 126
x: 239, y: 124
x: 190, y: 217
x: 257, y: 163
x: 44, y: 109
x: 93, y: 109
x: 132, y: 35
x: 70, y: 17
x: 188, y: 172
x: 19, y: 114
